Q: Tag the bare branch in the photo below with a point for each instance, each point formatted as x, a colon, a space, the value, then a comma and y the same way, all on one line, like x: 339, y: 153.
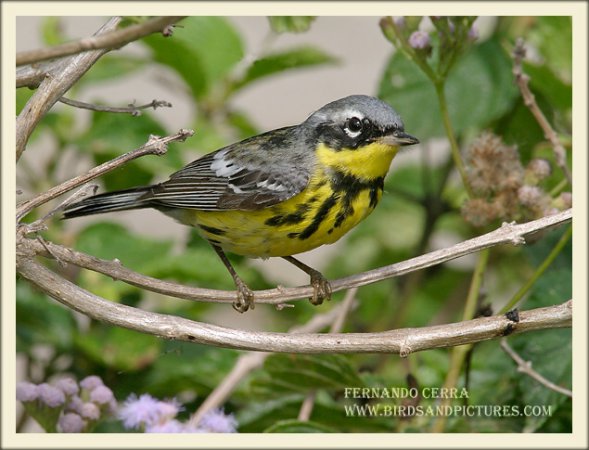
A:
x: 131, y: 109
x: 154, y: 146
x: 526, y: 367
x: 522, y: 80
x: 107, y: 41
x: 31, y: 76
x: 401, y: 341
x: 506, y: 234
x: 52, y: 88
x: 252, y: 360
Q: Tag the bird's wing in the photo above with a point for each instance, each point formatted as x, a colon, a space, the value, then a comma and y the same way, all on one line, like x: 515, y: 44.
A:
x: 249, y: 175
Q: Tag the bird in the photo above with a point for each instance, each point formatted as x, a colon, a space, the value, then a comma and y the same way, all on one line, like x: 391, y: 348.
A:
x: 279, y: 193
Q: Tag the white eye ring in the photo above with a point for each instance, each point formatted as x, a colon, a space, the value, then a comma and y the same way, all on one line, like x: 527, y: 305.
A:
x: 353, y: 127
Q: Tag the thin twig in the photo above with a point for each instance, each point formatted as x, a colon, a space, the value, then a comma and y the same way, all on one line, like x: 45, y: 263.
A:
x: 526, y: 367
x: 108, y: 41
x: 522, y: 80
x: 154, y: 146
x: 63, y: 76
x: 39, y: 224
x: 400, y: 341
x: 252, y: 360
x: 131, y: 109
x: 506, y: 234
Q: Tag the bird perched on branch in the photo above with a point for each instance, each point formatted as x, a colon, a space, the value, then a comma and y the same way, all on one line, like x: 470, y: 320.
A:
x: 279, y: 193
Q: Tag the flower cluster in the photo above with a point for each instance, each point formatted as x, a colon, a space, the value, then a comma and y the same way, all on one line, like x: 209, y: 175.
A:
x: 416, y: 37
x: 66, y: 405
x: 151, y: 415
x: 503, y: 188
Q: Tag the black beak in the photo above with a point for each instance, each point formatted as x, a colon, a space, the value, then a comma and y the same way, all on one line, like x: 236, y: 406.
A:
x: 398, y: 138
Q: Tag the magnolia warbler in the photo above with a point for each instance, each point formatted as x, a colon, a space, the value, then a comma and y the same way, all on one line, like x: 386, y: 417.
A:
x: 279, y: 193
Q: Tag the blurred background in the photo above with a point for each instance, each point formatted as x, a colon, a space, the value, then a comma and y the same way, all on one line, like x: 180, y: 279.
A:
x: 232, y: 77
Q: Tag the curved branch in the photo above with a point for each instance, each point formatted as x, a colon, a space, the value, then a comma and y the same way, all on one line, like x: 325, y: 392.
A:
x: 107, y: 41
x: 506, y: 234
x: 52, y: 88
x: 401, y: 341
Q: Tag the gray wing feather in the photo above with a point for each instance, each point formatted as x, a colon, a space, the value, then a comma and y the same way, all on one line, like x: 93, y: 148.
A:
x: 235, y: 177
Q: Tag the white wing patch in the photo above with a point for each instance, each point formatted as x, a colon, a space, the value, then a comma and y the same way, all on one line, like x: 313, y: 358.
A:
x: 274, y: 186
x: 224, y: 167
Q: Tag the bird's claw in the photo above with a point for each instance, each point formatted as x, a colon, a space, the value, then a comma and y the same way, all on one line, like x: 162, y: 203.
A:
x: 245, y: 298
x: 321, y: 288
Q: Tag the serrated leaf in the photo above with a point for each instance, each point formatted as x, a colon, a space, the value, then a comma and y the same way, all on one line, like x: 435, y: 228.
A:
x: 303, y: 373
x: 295, y: 58
x: 292, y: 24
x: 202, y: 51
x: 478, y: 90
x: 299, y: 426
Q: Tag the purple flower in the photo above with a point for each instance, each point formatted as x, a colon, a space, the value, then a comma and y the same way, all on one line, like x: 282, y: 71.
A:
x: 170, y: 426
x: 399, y: 21
x: 142, y: 411
x: 71, y: 423
x: 216, y: 421
x: 26, y: 392
x: 50, y: 395
x: 473, y: 33
x: 529, y: 195
x: 101, y: 395
x: 567, y: 199
x: 91, y: 382
x: 90, y: 411
x: 75, y: 404
x: 419, y: 40
x: 68, y: 386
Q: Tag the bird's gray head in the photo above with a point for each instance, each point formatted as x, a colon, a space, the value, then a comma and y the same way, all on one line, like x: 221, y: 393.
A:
x: 358, y: 120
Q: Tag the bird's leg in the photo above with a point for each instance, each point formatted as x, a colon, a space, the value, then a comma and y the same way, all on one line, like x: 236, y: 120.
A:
x: 321, y: 287
x: 245, y: 296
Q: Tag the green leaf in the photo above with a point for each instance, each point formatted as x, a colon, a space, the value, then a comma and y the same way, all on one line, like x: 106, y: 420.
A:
x: 111, y: 67
x: 119, y: 348
x: 111, y: 135
x: 52, y: 31
x: 553, y: 89
x: 290, y: 24
x: 478, y: 90
x: 299, y: 426
x: 203, y: 50
x: 553, y: 37
x: 41, y: 319
x: 302, y: 373
x: 109, y: 241
x: 295, y: 58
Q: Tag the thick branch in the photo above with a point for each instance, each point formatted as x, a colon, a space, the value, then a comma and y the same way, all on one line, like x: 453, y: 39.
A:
x: 154, y: 146
x: 52, y: 88
x: 507, y: 234
x: 107, y: 41
x: 401, y: 341
x: 252, y: 360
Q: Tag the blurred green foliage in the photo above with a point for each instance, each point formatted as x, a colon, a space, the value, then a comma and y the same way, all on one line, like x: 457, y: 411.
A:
x: 419, y: 211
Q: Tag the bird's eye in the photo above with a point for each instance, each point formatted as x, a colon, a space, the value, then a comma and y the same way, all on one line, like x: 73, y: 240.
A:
x: 353, y: 127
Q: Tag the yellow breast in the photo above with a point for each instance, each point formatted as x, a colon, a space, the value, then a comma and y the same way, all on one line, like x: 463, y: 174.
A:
x: 345, y: 188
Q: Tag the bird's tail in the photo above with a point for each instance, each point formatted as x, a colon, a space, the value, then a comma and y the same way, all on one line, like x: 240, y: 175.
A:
x: 108, y: 202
